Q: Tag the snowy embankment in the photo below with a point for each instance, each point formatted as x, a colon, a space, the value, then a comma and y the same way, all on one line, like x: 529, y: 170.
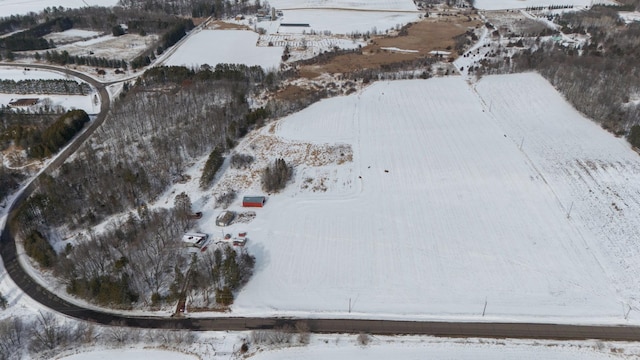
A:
x: 441, y: 213
x: 382, y: 348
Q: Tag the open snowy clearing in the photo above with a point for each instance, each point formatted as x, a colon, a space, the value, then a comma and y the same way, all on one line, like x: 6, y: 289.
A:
x: 19, y: 7
x: 440, y: 210
x: 71, y: 35
x: 125, y: 47
x: 231, y: 46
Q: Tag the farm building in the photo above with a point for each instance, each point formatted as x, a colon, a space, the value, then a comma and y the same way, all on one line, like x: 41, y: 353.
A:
x: 25, y: 102
x: 196, y: 240
x: 225, y: 218
x: 254, y: 201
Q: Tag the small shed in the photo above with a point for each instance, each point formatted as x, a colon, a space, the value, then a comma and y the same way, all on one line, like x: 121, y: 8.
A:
x: 196, y: 240
x: 225, y: 218
x: 254, y: 201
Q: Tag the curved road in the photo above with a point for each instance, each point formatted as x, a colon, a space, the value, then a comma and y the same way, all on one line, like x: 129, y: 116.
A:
x: 388, y: 327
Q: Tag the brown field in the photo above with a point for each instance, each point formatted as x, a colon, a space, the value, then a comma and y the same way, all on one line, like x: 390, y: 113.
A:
x: 292, y: 92
x: 221, y: 25
x: 430, y: 34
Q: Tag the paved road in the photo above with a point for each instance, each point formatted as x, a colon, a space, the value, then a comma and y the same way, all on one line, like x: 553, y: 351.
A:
x: 383, y: 327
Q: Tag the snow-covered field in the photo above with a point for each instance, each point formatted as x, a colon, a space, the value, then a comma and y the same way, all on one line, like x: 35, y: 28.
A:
x: 442, y: 210
x: 388, y: 5
x: 339, y: 21
x: 16, y: 7
x: 26, y: 73
x: 225, y: 46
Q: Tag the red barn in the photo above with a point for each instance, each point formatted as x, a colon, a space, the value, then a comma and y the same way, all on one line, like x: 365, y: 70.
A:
x: 253, y: 201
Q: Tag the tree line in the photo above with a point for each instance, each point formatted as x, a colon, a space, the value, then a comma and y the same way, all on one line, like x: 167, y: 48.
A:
x: 32, y: 39
x: 196, y: 8
x: 58, y: 134
x: 168, y: 39
x: 63, y: 58
x: 45, y: 86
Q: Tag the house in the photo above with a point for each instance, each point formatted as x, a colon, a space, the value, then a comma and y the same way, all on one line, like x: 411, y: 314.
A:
x: 225, y: 218
x: 196, y: 240
x: 24, y: 102
x: 254, y: 201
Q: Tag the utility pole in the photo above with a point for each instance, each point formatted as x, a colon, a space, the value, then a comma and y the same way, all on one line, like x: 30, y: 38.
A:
x: 485, y: 307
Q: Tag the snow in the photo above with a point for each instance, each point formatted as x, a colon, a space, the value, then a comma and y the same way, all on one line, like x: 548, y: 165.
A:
x: 18, y: 7
x: 71, y: 35
x: 381, y: 348
x: 389, y: 5
x: 225, y: 46
x: 441, y: 210
x: 126, y: 354
x: 339, y: 21
x: 593, y: 175
x: 125, y: 47
x: 25, y: 73
x: 401, y: 50
x: 630, y: 16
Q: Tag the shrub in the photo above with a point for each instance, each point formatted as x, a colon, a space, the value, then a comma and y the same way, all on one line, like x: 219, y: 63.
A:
x: 363, y: 339
x: 634, y: 136
x: 224, y: 296
x: 226, y: 199
x: 3, y: 302
x: 39, y: 249
x: 241, y: 161
x: 59, y: 133
x: 275, y: 177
